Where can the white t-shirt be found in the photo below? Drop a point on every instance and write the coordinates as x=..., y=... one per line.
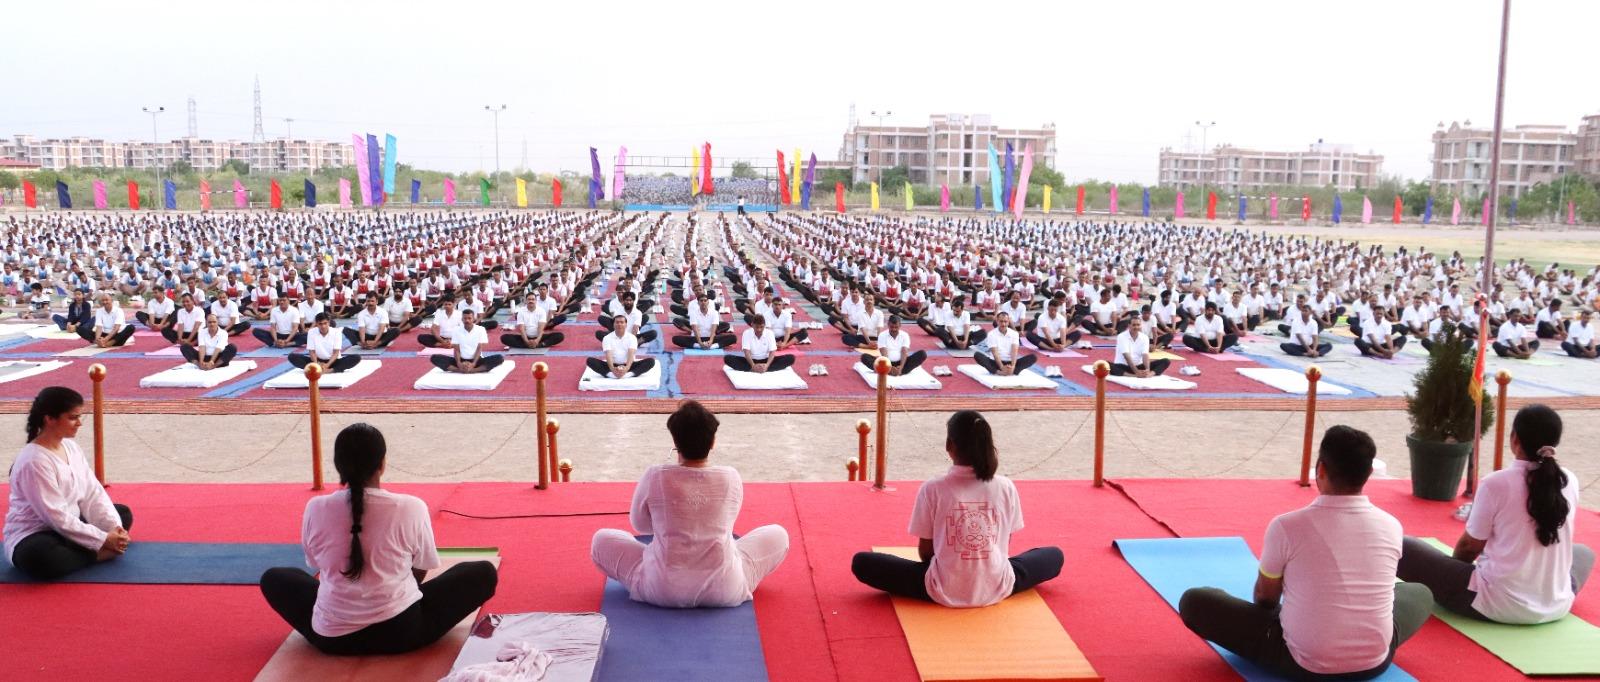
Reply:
x=869, y=324
x=1300, y=330
x=208, y=344
x=894, y=347
x=371, y=321
x=108, y=321
x=468, y=341
x=283, y=320
x=396, y=537
x=1207, y=329
x=703, y=322
x=398, y=310
x=1103, y=311
x=159, y=308
x=692, y=561
x=1049, y=327
x=227, y=315
x=321, y=346
x=48, y=493
x=190, y=320
x=760, y=347
x=1337, y=558
x=1004, y=344
x=1511, y=333
x=1129, y=347
x=617, y=348
x=970, y=522
x=1518, y=580
x=1579, y=333
x=529, y=321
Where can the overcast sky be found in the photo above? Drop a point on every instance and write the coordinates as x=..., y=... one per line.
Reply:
x=1120, y=79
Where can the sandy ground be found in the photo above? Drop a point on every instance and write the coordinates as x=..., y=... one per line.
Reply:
x=495, y=447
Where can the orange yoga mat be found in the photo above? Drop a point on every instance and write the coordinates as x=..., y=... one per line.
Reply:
x=297, y=661
x=1018, y=639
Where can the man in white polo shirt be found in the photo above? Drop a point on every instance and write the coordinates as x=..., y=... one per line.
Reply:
x=1511, y=341
x=467, y=344
x=285, y=327
x=1581, y=337
x=1207, y=334
x=1303, y=339
x=187, y=323
x=1053, y=331
x=158, y=309
x=758, y=345
x=529, y=322
x=111, y=328
x=706, y=329
x=895, y=344
x=372, y=330
x=1333, y=566
x=1005, y=344
x=324, y=346
x=621, y=349
x=1133, y=353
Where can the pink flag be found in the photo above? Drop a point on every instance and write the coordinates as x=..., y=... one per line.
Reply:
x=449, y=191
x=1272, y=207
x=344, y=192
x=240, y=200
x=616, y=177
x=1572, y=213
x=944, y=198
x=1366, y=210
x=363, y=171
x=1455, y=212
x=1113, y=200
x=1485, y=214
x=100, y=194
x=1021, y=199
x=1177, y=207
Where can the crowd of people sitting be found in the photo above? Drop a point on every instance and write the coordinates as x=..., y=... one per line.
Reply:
x=1339, y=586
x=673, y=190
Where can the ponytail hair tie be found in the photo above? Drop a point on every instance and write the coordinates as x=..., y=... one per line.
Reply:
x=1547, y=452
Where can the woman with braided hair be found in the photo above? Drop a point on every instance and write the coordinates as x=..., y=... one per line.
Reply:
x=1516, y=563
x=371, y=549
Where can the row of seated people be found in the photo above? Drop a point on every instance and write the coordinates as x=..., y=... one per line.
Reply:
x=1378, y=336
x=1315, y=613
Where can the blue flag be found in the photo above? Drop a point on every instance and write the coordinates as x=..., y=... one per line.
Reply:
x=374, y=169
x=596, y=190
x=1427, y=212
x=311, y=194
x=995, y=178
x=416, y=190
x=977, y=197
x=169, y=194
x=1338, y=209
x=1147, y=202
x=1241, y=207
x=1005, y=191
x=63, y=197
x=389, y=153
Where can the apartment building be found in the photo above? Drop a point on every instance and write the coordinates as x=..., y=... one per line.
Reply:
x=1529, y=155
x=952, y=149
x=281, y=155
x=1587, y=155
x=1233, y=169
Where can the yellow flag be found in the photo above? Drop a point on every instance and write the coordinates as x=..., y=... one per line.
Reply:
x=794, y=178
x=1046, y=198
x=694, y=177
x=522, y=193
x=909, y=205
x=874, y=196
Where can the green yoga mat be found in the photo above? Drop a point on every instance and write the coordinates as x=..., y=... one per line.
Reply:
x=1570, y=646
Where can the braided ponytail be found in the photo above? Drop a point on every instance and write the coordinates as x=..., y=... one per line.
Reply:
x=1537, y=429
x=358, y=456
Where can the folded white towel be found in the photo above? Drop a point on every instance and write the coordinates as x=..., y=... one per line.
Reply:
x=515, y=662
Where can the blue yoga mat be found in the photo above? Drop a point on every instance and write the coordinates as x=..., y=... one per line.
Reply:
x=649, y=643
x=182, y=563
x=1173, y=565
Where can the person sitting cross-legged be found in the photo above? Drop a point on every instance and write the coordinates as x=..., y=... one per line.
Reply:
x=780, y=320
x=1582, y=336
x=372, y=330
x=963, y=522
x=759, y=348
x=867, y=321
x=634, y=316
x=467, y=349
x=109, y=327
x=1006, y=346
x=1303, y=335
x=285, y=328
x=706, y=329
x=1511, y=341
x=894, y=344
x=212, y=349
x=324, y=346
x=157, y=312
x=530, y=332
x=621, y=350
x=228, y=315
x=1326, y=605
x=1516, y=562
x=1207, y=333
x=1377, y=338
x=1052, y=331
x=1133, y=353
x=186, y=324
x=689, y=508
x=957, y=331
x=80, y=314
x=1102, y=317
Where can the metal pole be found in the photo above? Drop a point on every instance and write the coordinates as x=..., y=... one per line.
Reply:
x=97, y=374
x=1494, y=210
x=314, y=375
x=882, y=368
x=1101, y=370
x=1503, y=378
x=1313, y=375
x=541, y=371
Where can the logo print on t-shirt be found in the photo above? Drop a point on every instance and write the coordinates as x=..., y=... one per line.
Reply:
x=971, y=528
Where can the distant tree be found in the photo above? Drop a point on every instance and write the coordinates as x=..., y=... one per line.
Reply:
x=827, y=177
x=743, y=169
x=894, y=178
x=1550, y=199
x=236, y=166
x=9, y=180
x=1044, y=175
x=180, y=167
x=1415, y=196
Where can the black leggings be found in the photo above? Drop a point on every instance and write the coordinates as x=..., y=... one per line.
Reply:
x=974, y=337
x=86, y=332
x=48, y=555
x=993, y=366
x=300, y=360
x=640, y=366
x=1449, y=577
x=913, y=361
x=718, y=341
x=776, y=363
x=448, y=362
x=907, y=578
x=446, y=599
x=549, y=339
x=269, y=337
x=224, y=356
x=1298, y=349
x=384, y=339
x=1156, y=367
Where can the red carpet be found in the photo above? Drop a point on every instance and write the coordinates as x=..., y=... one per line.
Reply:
x=122, y=378
x=817, y=622
x=1215, y=377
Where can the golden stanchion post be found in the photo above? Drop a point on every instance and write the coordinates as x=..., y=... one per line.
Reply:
x=550, y=429
x=850, y=467
x=97, y=374
x=882, y=367
x=1503, y=378
x=863, y=427
x=314, y=375
x=566, y=470
x=541, y=371
x=1101, y=370
x=1313, y=375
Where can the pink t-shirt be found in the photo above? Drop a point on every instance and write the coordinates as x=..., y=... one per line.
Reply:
x=1337, y=558
x=970, y=522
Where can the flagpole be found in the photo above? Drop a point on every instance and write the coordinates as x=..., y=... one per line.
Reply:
x=1488, y=237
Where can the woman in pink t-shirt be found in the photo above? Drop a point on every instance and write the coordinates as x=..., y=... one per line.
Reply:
x=963, y=521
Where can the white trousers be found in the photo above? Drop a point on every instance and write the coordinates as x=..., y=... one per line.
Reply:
x=618, y=555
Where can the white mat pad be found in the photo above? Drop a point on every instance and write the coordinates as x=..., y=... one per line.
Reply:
x=91, y=350
x=649, y=381
x=1027, y=379
x=439, y=380
x=189, y=376
x=51, y=332
x=785, y=379
x=173, y=351
x=1155, y=383
x=296, y=378
x=918, y=379
x=1289, y=381
x=29, y=368
x=9, y=330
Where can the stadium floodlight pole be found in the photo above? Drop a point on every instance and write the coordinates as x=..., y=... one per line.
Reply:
x=155, y=140
x=1206, y=178
x=880, y=118
x=288, y=125
x=496, y=113
x=1488, y=233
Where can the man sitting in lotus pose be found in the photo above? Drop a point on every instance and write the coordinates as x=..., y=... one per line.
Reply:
x=621, y=349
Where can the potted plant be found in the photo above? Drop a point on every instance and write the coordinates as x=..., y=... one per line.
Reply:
x=1441, y=410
